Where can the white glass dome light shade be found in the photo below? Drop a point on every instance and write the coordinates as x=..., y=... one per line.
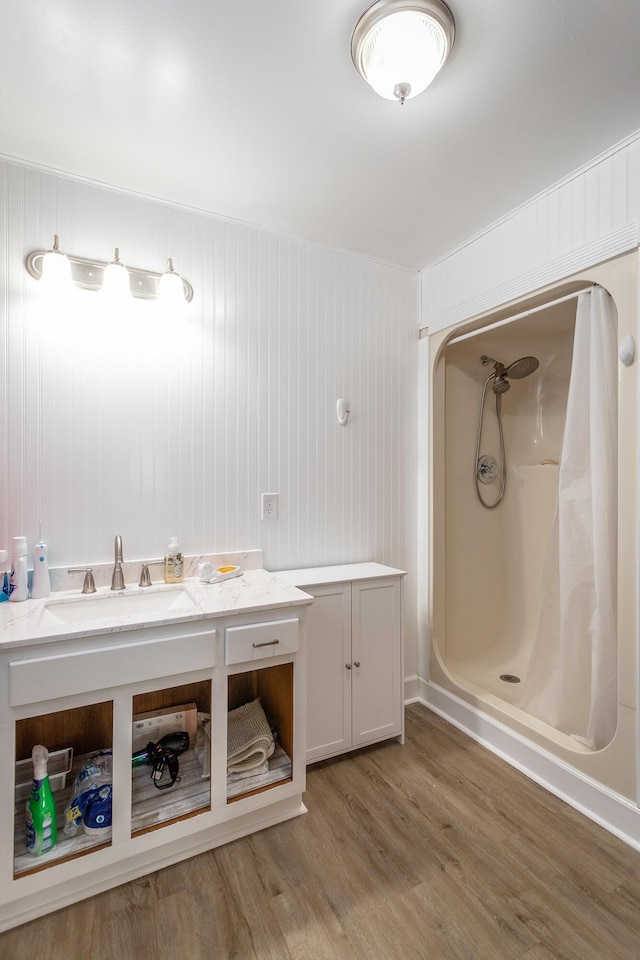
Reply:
x=398, y=47
x=56, y=271
x=115, y=284
x=171, y=288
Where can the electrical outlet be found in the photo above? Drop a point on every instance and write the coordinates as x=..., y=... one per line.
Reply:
x=269, y=506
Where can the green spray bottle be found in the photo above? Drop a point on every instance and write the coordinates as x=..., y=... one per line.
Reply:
x=41, y=829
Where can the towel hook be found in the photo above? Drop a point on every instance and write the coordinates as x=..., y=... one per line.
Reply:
x=342, y=407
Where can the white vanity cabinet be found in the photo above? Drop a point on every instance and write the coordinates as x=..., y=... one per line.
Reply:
x=82, y=690
x=354, y=676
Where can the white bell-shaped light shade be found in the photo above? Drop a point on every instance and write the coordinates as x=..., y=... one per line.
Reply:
x=56, y=271
x=398, y=47
x=115, y=284
x=171, y=289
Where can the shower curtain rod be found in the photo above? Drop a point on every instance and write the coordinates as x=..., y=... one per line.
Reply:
x=520, y=316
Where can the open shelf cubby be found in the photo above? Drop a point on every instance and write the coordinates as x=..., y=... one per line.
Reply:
x=152, y=808
x=86, y=730
x=274, y=687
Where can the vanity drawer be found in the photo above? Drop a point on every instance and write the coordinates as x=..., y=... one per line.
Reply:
x=54, y=675
x=257, y=641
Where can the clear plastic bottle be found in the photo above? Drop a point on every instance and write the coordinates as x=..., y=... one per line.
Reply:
x=41, y=832
x=173, y=563
x=18, y=583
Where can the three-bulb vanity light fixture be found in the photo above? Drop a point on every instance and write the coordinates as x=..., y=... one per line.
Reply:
x=59, y=270
x=398, y=46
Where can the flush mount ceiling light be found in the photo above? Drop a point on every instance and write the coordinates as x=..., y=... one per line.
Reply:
x=398, y=47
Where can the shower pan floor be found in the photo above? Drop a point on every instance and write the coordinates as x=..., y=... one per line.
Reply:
x=480, y=676
x=485, y=672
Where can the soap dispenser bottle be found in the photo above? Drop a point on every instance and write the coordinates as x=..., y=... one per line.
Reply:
x=173, y=563
x=41, y=832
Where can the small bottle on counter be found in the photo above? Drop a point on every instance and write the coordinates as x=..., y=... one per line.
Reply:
x=41, y=583
x=4, y=575
x=18, y=581
x=173, y=563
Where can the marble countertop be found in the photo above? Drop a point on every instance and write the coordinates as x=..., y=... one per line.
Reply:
x=30, y=622
x=341, y=573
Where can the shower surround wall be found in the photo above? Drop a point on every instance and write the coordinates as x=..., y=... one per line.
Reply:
x=149, y=428
x=494, y=558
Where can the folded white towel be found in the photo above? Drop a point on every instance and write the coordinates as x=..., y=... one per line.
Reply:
x=244, y=774
x=249, y=739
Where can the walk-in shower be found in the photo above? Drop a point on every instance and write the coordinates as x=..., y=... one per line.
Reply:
x=504, y=639
x=486, y=467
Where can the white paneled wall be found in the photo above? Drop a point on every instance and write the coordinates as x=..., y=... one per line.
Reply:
x=140, y=425
x=589, y=217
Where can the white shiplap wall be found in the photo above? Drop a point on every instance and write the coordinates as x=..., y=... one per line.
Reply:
x=590, y=216
x=147, y=428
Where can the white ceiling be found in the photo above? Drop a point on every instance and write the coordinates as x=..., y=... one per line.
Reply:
x=252, y=109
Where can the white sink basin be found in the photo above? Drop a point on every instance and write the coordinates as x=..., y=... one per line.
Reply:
x=114, y=606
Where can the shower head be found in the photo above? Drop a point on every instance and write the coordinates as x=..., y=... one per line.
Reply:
x=515, y=371
x=522, y=367
x=500, y=385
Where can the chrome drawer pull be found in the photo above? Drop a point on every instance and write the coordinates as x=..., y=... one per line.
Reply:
x=267, y=643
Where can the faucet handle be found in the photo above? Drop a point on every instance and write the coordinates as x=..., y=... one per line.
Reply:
x=89, y=585
x=145, y=576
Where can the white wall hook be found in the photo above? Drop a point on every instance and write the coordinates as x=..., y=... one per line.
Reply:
x=342, y=407
x=627, y=351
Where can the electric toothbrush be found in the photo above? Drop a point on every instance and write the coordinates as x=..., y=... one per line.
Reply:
x=40, y=584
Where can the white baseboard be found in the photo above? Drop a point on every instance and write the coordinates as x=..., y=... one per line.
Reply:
x=605, y=807
x=412, y=689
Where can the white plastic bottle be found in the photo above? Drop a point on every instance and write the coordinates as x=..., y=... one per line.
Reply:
x=18, y=583
x=41, y=583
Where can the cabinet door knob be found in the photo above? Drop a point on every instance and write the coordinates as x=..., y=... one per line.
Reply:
x=348, y=666
x=356, y=663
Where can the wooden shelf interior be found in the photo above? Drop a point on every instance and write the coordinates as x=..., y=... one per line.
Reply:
x=274, y=686
x=86, y=729
x=198, y=693
x=152, y=808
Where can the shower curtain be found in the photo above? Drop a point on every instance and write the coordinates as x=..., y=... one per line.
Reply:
x=571, y=677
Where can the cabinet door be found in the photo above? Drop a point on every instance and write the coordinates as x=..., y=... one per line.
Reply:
x=329, y=671
x=377, y=660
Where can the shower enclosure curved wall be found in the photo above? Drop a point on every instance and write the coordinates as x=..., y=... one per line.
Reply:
x=487, y=564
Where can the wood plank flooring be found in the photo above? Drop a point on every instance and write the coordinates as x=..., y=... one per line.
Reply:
x=436, y=850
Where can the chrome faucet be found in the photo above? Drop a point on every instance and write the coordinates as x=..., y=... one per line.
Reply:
x=117, y=580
